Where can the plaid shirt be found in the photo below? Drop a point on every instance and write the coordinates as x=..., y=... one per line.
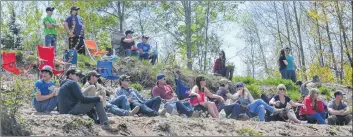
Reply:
x=218, y=65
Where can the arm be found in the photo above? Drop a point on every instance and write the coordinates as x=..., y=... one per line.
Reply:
x=285, y=62
x=79, y=96
x=295, y=104
x=49, y=25
x=250, y=97
x=272, y=102
x=210, y=95
x=40, y=97
x=127, y=40
x=193, y=91
x=232, y=97
x=155, y=92
x=139, y=95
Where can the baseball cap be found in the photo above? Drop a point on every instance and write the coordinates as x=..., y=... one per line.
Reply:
x=124, y=78
x=75, y=8
x=240, y=84
x=224, y=81
x=129, y=32
x=74, y=71
x=93, y=73
x=287, y=48
x=47, y=68
x=338, y=92
x=49, y=9
x=160, y=76
x=145, y=37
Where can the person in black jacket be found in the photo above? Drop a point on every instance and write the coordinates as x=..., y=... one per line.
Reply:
x=72, y=101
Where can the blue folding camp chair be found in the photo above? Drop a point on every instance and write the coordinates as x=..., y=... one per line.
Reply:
x=181, y=91
x=105, y=68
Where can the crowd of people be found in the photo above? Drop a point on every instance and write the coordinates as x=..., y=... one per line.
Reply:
x=95, y=100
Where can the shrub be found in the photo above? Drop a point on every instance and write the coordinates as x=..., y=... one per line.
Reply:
x=137, y=86
x=292, y=89
x=246, y=80
x=326, y=92
x=254, y=90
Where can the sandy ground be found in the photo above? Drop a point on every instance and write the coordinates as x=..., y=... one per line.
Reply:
x=69, y=125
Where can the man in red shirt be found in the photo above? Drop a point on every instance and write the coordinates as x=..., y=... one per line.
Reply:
x=167, y=94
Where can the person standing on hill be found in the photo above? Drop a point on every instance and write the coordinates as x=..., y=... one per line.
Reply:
x=49, y=28
x=282, y=61
x=220, y=67
x=75, y=28
x=290, y=65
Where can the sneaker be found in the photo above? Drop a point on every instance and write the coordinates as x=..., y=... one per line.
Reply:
x=196, y=114
x=107, y=127
x=134, y=111
x=303, y=122
x=162, y=112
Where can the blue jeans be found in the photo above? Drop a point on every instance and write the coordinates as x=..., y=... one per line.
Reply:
x=184, y=108
x=144, y=56
x=126, y=52
x=47, y=105
x=50, y=40
x=283, y=73
x=318, y=116
x=291, y=75
x=258, y=107
x=119, y=106
x=150, y=107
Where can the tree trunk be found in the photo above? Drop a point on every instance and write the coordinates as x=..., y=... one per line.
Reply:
x=206, y=35
x=262, y=52
x=286, y=19
x=321, y=58
x=344, y=34
x=278, y=31
x=331, y=46
x=187, y=10
x=121, y=15
x=300, y=41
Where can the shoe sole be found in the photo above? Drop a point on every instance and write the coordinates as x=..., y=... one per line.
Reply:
x=134, y=111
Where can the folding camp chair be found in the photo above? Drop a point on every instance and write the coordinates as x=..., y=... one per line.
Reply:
x=92, y=49
x=105, y=68
x=182, y=94
x=9, y=63
x=46, y=56
x=70, y=58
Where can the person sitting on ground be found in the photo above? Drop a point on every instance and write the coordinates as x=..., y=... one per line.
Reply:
x=338, y=110
x=314, y=83
x=44, y=99
x=147, y=107
x=117, y=106
x=280, y=101
x=109, y=56
x=314, y=107
x=128, y=42
x=144, y=50
x=72, y=101
x=200, y=91
x=220, y=67
x=163, y=90
x=234, y=110
x=255, y=107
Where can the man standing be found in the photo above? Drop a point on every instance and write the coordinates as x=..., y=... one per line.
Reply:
x=72, y=101
x=147, y=107
x=291, y=65
x=166, y=93
x=45, y=99
x=127, y=42
x=76, y=29
x=49, y=28
x=339, y=111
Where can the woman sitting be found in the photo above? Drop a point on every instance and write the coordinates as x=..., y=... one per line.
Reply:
x=314, y=107
x=280, y=101
x=200, y=91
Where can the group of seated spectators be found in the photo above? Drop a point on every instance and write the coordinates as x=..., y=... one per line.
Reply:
x=95, y=100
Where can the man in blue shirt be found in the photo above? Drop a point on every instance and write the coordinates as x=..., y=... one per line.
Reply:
x=148, y=107
x=291, y=65
x=44, y=94
x=75, y=28
x=145, y=50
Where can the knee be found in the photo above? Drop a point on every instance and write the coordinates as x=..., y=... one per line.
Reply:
x=158, y=99
x=348, y=117
x=332, y=120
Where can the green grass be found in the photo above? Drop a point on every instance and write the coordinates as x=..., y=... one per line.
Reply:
x=254, y=90
x=248, y=132
x=326, y=92
x=137, y=86
x=245, y=80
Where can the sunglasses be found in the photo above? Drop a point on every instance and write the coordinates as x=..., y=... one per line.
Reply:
x=282, y=89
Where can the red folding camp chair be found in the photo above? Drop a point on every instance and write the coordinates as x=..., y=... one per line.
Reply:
x=9, y=63
x=46, y=57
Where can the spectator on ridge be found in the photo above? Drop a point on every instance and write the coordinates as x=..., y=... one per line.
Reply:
x=338, y=110
x=128, y=42
x=148, y=107
x=144, y=50
x=314, y=83
x=76, y=29
x=282, y=61
x=44, y=99
x=290, y=65
x=49, y=28
x=220, y=67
